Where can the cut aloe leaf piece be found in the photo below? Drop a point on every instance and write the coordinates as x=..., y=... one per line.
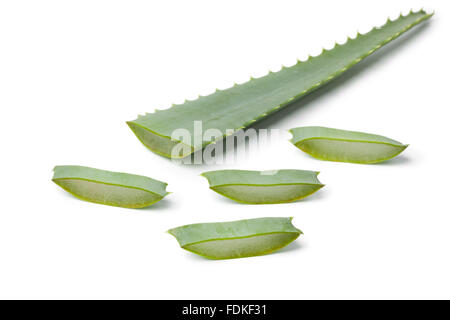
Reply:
x=263, y=187
x=345, y=146
x=236, y=239
x=242, y=105
x=110, y=188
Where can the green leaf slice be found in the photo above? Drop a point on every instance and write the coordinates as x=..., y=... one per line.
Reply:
x=263, y=187
x=236, y=239
x=345, y=146
x=110, y=188
x=242, y=105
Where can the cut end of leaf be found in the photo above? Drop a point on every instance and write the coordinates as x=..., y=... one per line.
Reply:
x=162, y=145
x=243, y=247
x=248, y=194
x=112, y=195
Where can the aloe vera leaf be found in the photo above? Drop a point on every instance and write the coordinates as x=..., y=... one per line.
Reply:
x=242, y=105
x=236, y=239
x=263, y=187
x=345, y=146
x=110, y=188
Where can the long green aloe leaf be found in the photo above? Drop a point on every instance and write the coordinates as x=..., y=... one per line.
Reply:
x=242, y=105
x=262, y=187
x=236, y=239
x=110, y=188
x=345, y=146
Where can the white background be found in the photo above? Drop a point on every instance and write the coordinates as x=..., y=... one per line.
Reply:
x=72, y=73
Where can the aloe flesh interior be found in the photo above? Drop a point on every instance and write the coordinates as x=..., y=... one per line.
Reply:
x=345, y=146
x=110, y=188
x=236, y=239
x=242, y=105
x=263, y=187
